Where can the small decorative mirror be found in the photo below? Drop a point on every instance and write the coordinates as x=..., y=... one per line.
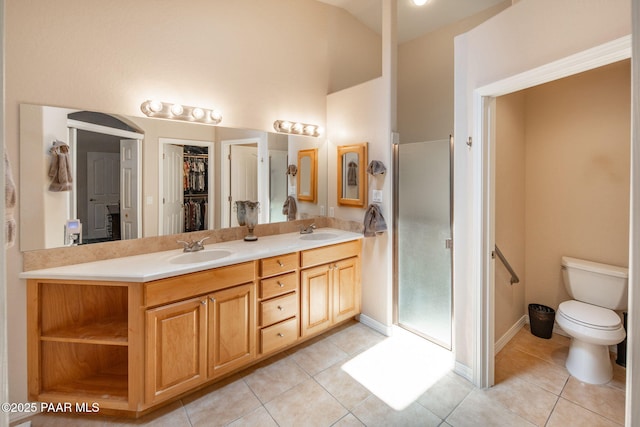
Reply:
x=352, y=179
x=307, y=175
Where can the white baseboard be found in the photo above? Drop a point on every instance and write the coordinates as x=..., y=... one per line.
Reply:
x=464, y=371
x=375, y=325
x=504, y=339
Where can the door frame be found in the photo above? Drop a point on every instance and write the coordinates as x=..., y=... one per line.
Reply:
x=484, y=187
x=210, y=178
x=72, y=127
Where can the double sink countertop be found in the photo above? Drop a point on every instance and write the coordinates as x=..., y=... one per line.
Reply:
x=160, y=265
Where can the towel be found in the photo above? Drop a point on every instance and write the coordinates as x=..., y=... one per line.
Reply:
x=292, y=170
x=10, y=197
x=60, y=168
x=374, y=222
x=289, y=208
x=376, y=167
x=352, y=173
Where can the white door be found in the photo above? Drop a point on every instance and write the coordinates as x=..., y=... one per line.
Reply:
x=243, y=176
x=130, y=190
x=172, y=189
x=103, y=189
x=277, y=184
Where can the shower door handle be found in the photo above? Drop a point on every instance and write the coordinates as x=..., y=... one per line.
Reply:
x=448, y=243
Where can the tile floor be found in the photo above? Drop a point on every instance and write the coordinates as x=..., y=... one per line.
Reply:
x=407, y=382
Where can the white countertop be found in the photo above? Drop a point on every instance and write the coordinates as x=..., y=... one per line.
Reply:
x=160, y=265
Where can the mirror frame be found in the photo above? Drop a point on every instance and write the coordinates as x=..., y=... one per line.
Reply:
x=361, y=150
x=313, y=179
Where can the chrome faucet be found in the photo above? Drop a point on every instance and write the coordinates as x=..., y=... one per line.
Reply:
x=193, y=246
x=307, y=230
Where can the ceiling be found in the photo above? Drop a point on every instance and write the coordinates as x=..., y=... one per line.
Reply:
x=413, y=21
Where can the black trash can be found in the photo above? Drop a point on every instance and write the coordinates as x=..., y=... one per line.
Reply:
x=622, y=347
x=541, y=319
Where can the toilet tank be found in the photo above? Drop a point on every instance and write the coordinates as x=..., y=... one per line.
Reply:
x=595, y=283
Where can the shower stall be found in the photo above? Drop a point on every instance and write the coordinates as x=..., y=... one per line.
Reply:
x=423, y=239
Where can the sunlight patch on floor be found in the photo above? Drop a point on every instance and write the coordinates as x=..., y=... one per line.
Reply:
x=401, y=368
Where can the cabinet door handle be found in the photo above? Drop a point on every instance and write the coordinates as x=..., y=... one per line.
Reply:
x=203, y=302
x=212, y=299
x=280, y=263
x=280, y=334
x=281, y=284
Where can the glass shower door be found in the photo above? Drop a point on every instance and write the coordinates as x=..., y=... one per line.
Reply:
x=423, y=239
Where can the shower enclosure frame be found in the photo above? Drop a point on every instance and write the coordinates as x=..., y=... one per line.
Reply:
x=396, y=260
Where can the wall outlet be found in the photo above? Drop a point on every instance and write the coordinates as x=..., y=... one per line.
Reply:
x=292, y=190
x=321, y=210
x=377, y=196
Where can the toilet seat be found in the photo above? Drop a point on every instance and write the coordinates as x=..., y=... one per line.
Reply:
x=590, y=316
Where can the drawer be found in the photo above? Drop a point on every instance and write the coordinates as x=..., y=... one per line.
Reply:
x=277, y=309
x=190, y=285
x=278, y=285
x=279, y=335
x=331, y=253
x=278, y=264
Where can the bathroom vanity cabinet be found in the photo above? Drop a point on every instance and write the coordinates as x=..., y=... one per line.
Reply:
x=130, y=346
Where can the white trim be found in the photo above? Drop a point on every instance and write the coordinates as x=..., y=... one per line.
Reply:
x=508, y=336
x=386, y=330
x=484, y=295
x=464, y=371
x=104, y=129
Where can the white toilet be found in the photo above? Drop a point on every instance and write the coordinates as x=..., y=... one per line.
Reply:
x=589, y=319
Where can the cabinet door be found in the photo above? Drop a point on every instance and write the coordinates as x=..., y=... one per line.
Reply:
x=176, y=351
x=316, y=299
x=232, y=329
x=346, y=289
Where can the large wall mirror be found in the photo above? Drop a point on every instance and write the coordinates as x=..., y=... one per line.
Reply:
x=139, y=177
x=352, y=179
x=307, y=175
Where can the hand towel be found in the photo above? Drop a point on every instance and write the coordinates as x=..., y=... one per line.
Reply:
x=60, y=168
x=352, y=173
x=10, y=198
x=374, y=222
x=289, y=208
x=376, y=167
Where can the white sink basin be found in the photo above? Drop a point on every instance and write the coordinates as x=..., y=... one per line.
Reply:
x=318, y=236
x=200, y=256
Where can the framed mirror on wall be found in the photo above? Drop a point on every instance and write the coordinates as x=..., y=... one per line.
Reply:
x=352, y=179
x=307, y=175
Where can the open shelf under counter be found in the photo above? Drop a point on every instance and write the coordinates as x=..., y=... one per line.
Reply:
x=111, y=331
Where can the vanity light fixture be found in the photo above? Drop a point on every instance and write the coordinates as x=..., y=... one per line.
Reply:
x=166, y=110
x=297, y=128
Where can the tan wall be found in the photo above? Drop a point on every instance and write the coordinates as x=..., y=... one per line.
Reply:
x=425, y=80
x=577, y=174
x=510, y=210
x=562, y=184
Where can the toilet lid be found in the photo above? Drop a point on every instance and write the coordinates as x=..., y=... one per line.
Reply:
x=589, y=315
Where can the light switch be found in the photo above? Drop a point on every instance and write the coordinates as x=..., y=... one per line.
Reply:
x=377, y=196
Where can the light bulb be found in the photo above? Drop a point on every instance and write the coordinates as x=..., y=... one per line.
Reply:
x=216, y=115
x=286, y=126
x=297, y=128
x=309, y=129
x=197, y=113
x=420, y=2
x=154, y=106
x=319, y=130
x=176, y=109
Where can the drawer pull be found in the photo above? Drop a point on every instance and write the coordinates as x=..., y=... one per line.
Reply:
x=280, y=334
x=280, y=263
x=281, y=284
x=280, y=308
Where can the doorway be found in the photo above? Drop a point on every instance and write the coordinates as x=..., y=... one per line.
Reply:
x=423, y=239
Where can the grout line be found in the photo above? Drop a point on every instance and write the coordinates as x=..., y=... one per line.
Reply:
x=552, y=410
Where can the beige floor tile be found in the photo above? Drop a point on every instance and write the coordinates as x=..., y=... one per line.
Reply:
x=273, y=379
x=374, y=412
x=601, y=399
x=567, y=414
x=259, y=417
x=171, y=415
x=619, y=380
x=66, y=420
x=221, y=406
x=356, y=338
x=478, y=409
x=342, y=386
x=446, y=394
x=307, y=404
x=529, y=401
x=319, y=356
x=348, y=421
x=515, y=362
x=553, y=350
